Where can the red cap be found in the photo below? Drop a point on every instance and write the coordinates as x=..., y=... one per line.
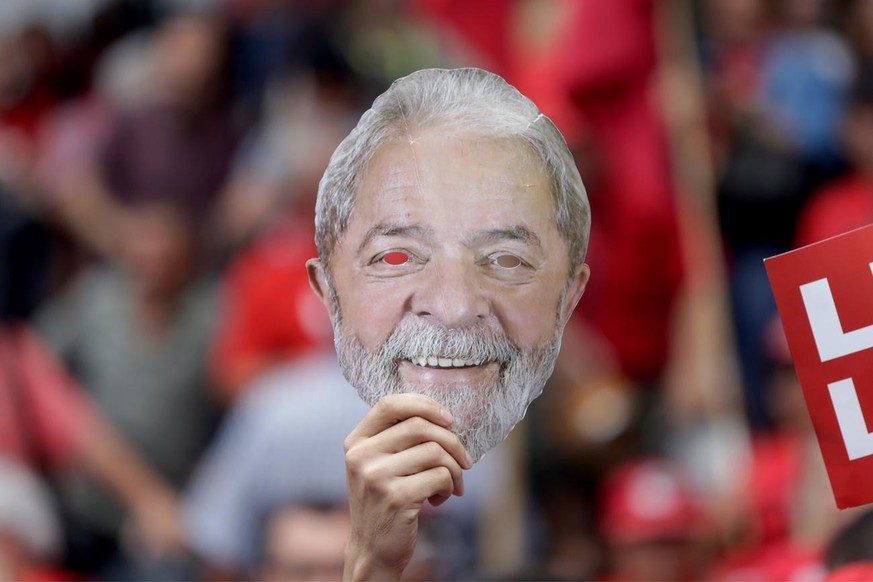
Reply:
x=647, y=500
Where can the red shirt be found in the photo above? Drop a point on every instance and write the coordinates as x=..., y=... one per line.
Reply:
x=44, y=414
x=269, y=314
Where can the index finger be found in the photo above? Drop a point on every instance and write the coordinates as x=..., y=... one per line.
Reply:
x=398, y=407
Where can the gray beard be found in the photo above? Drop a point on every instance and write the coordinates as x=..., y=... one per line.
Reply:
x=484, y=414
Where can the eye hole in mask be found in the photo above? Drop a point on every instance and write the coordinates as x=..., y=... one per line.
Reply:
x=396, y=258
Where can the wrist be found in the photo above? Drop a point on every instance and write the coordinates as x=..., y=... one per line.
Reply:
x=361, y=565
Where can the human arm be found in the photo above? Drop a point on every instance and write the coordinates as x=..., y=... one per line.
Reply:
x=72, y=431
x=401, y=454
x=86, y=208
x=152, y=504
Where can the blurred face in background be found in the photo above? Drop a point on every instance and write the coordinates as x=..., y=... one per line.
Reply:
x=15, y=73
x=802, y=13
x=858, y=136
x=733, y=21
x=189, y=54
x=452, y=279
x=157, y=249
x=303, y=543
x=662, y=560
x=860, y=28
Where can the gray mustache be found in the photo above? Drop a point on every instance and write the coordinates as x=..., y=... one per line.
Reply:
x=413, y=338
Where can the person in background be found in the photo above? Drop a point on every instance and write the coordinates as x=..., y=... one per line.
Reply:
x=305, y=541
x=48, y=424
x=859, y=31
x=136, y=336
x=279, y=444
x=849, y=553
x=846, y=203
x=651, y=523
x=776, y=79
x=780, y=511
x=806, y=74
x=71, y=142
x=178, y=139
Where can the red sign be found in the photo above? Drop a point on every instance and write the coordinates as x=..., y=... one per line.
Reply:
x=825, y=297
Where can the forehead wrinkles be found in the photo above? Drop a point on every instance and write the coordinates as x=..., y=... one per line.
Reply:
x=518, y=169
x=404, y=122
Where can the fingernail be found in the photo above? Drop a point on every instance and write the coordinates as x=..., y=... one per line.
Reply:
x=469, y=458
x=447, y=415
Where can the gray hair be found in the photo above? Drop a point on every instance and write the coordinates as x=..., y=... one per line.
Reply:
x=468, y=98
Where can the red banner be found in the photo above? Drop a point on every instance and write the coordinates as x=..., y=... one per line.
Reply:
x=825, y=297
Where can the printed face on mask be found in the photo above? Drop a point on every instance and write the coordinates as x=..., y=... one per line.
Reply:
x=452, y=279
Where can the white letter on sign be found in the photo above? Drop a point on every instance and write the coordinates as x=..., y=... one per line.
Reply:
x=859, y=442
x=830, y=339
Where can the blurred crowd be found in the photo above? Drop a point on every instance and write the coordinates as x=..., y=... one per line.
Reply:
x=170, y=405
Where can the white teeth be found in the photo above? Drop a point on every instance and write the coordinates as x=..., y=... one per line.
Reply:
x=434, y=362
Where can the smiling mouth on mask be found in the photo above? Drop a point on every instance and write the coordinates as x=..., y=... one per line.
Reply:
x=439, y=362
